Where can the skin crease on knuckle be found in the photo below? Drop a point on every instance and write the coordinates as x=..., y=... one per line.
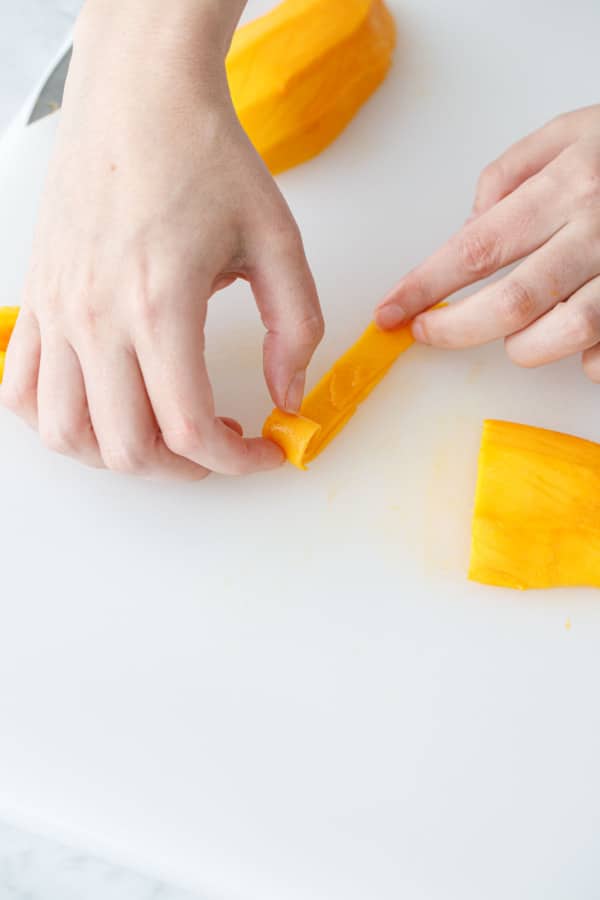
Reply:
x=479, y=253
x=64, y=439
x=517, y=306
x=310, y=331
x=128, y=456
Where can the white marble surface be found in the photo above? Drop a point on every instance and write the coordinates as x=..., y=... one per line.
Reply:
x=31, y=867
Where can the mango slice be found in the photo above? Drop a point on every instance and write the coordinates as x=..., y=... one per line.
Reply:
x=8, y=320
x=298, y=75
x=334, y=400
x=537, y=509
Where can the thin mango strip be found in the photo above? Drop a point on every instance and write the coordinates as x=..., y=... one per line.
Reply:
x=537, y=509
x=335, y=399
x=8, y=320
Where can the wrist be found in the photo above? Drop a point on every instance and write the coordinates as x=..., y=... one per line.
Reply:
x=201, y=29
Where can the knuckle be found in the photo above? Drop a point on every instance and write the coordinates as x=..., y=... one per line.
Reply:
x=85, y=316
x=479, y=253
x=148, y=307
x=60, y=438
x=129, y=457
x=14, y=397
x=311, y=329
x=285, y=239
x=517, y=305
x=583, y=326
x=185, y=439
x=492, y=175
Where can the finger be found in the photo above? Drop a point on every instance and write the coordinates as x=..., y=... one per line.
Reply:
x=18, y=391
x=63, y=416
x=124, y=423
x=591, y=363
x=515, y=227
x=287, y=298
x=571, y=327
x=545, y=278
x=171, y=355
x=525, y=158
x=233, y=424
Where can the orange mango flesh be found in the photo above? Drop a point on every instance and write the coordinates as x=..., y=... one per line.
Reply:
x=299, y=74
x=8, y=319
x=329, y=406
x=537, y=509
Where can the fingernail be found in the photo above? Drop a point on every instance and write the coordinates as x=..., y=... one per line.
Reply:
x=418, y=331
x=391, y=316
x=295, y=392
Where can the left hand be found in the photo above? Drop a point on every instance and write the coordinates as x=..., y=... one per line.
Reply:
x=540, y=203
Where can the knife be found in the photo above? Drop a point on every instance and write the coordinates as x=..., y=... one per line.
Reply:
x=50, y=97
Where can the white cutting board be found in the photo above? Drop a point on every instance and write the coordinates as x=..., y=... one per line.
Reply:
x=284, y=687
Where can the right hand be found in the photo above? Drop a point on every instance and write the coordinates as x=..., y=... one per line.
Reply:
x=155, y=199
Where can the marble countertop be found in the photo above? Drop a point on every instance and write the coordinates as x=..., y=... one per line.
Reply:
x=32, y=867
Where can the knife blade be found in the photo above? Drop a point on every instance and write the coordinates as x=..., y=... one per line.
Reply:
x=51, y=95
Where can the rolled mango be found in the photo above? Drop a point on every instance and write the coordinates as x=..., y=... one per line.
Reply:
x=335, y=399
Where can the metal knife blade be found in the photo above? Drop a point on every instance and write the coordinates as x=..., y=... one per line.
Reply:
x=50, y=97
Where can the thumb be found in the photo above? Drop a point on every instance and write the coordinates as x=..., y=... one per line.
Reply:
x=287, y=299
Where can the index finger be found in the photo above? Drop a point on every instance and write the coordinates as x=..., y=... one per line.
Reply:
x=514, y=228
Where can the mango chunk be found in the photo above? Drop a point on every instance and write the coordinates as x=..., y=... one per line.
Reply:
x=537, y=509
x=299, y=74
x=334, y=400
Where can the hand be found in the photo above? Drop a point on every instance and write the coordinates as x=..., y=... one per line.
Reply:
x=155, y=200
x=540, y=203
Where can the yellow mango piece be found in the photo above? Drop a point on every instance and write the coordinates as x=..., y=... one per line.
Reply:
x=8, y=320
x=334, y=400
x=298, y=75
x=537, y=509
